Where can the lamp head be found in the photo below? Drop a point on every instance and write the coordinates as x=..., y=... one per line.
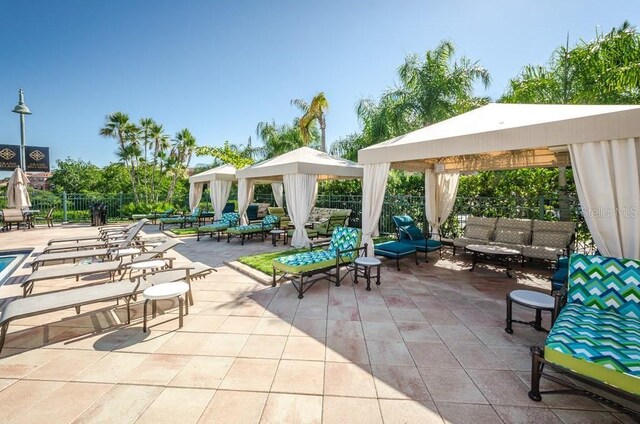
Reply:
x=21, y=108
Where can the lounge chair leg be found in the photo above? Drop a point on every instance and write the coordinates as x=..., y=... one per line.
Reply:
x=300, y=289
x=180, y=309
x=273, y=284
x=536, y=373
x=144, y=316
x=77, y=309
x=398, y=263
x=509, y=328
x=3, y=334
x=129, y=310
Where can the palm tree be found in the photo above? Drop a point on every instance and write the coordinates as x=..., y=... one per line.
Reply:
x=431, y=89
x=181, y=153
x=160, y=144
x=313, y=112
x=119, y=126
x=279, y=139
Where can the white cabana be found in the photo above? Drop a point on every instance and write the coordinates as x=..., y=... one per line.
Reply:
x=601, y=142
x=219, y=181
x=299, y=171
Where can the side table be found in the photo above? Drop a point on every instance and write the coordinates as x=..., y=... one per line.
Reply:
x=165, y=291
x=530, y=299
x=275, y=235
x=366, y=264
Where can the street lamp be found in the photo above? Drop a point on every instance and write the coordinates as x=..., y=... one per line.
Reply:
x=22, y=109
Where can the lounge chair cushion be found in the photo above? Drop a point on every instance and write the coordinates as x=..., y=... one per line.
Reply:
x=393, y=249
x=246, y=229
x=306, y=261
x=598, y=344
x=310, y=233
x=424, y=244
x=227, y=220
x=604, y=283
x=343, y=238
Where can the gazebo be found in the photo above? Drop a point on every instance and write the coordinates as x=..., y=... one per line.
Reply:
x=219, y=180
x=299, y=170
x=600, y=142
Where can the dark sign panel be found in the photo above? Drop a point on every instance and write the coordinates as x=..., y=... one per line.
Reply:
x=37, y=159
x=10, y=157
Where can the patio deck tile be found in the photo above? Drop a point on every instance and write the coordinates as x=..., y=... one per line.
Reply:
x=234, y=407
x=339, y=410
x=428, y=345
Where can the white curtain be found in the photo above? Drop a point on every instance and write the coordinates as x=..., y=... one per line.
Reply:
x=195, y=194
x=374, y=185
x=278, y=193
x=300, y=190
x=245, y=194
x=439, y=195
x=219, y=193
x=607, y=176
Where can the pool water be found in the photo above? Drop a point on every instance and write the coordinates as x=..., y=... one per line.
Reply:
x=10, y=261
x=5, y=261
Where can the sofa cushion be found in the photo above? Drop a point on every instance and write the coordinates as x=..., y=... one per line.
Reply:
x=542, y=252
x=554, y=226
x=479, y=221
x=549, y=239
x=598, y=344
x=600, y=282
x=510, y=236
x=465, y=241
x=478, y=232
x=512, y=224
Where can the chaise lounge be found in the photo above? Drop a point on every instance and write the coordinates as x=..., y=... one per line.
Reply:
x=228, y=220
x=182, y=221
x=596, y=337
x=342, y=250
x=268, y=223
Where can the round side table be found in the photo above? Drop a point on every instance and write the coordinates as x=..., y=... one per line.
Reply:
x=530, y=299
x=165, y=291
x=366, y=264
x=146, y=265
x=275, y=235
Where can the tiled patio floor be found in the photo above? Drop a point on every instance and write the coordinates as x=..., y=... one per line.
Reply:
x=427, y=346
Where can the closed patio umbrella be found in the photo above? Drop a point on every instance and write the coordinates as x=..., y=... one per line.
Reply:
x=17, y=193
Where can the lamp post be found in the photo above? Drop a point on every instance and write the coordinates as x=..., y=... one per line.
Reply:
x=22, y=109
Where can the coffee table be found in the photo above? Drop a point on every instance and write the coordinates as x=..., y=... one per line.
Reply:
x=493, y=254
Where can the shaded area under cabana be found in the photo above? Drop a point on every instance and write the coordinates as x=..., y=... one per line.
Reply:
x=299, y=171
x=600, y=142
x=219, y=180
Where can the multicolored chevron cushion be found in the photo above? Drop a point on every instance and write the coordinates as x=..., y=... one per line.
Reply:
x=246, y=229
x=217, y=226
x=598, y=344
x=306, y=261
x=610, y=284
x=345, y=238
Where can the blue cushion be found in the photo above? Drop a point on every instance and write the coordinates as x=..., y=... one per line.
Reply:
x=394, y=247
x=424, y=244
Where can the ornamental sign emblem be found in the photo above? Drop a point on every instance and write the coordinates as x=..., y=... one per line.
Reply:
x=37, y=159
x=37, y=155
x=7, y=154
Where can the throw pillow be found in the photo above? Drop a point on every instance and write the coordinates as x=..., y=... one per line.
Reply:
x=549, y=239
x=510, y=236
x=480, y=233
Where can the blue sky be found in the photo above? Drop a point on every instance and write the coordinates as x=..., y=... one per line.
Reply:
x=220, y=67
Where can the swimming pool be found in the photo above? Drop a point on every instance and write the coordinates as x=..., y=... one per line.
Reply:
x=10, y=261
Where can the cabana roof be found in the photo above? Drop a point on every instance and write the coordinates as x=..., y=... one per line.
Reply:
x=225, y=172
x=304, y=160
x=504, y=136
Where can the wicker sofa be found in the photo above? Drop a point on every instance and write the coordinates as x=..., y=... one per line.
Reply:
x=535, y=239
x=596, y=337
